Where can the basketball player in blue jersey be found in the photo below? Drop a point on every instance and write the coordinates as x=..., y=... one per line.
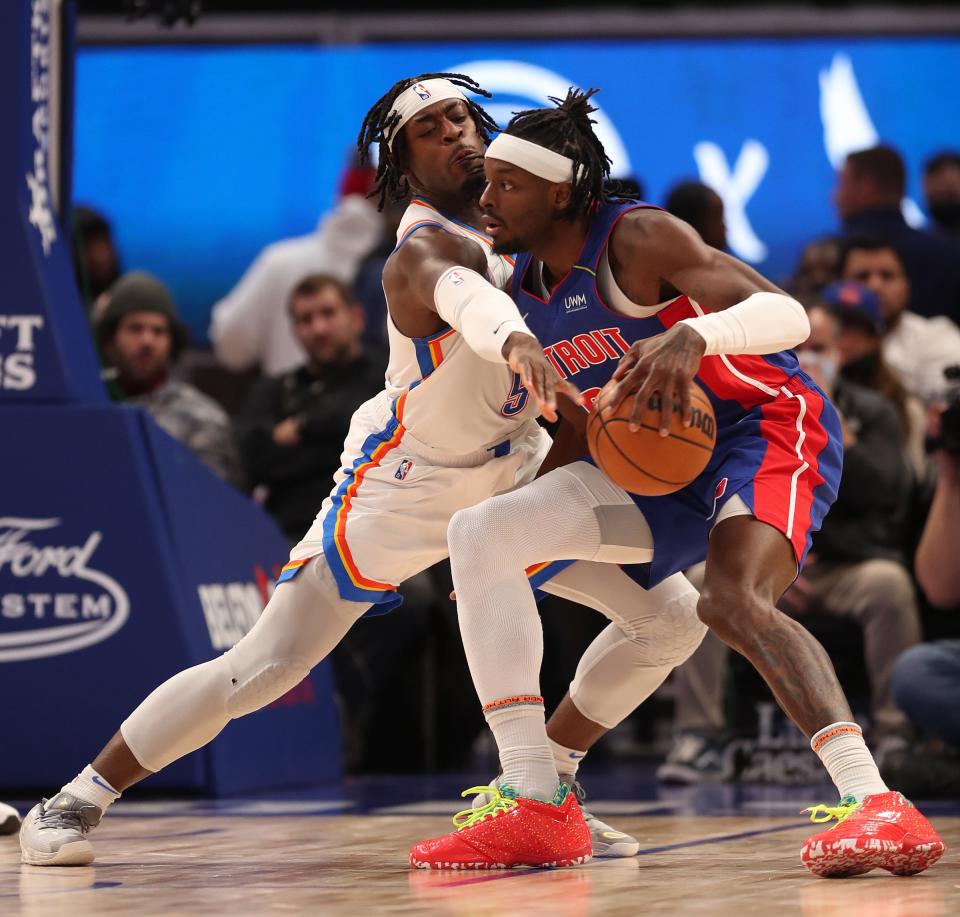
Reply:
x=591, y=284
x=454, y=425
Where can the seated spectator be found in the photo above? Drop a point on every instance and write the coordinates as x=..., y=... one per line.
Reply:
x=819, y=266
x=941, y=190
x=700, y=206
x=918, y=348
x=862, y=362
x=140, y=338
x=249, y=326
x=868, y=196
x=96, y=261
x=294, y=425
x=856, y=569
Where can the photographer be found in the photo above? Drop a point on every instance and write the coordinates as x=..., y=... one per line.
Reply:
x=936, y=562
x=926, y=678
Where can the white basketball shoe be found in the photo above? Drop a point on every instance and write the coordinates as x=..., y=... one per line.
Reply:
x=54, y=833
x=607, y=842
x=9, y=819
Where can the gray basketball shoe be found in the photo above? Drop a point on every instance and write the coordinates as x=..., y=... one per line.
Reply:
x=54, y=833
x=607, y=842
x=694, y=758
x=9, y=819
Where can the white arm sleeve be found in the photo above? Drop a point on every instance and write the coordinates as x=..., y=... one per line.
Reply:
x=762, y=323
x=484, y=315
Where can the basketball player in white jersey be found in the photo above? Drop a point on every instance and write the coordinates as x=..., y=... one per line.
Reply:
x=454, y=426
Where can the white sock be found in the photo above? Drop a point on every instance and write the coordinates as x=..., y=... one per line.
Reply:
x=566, y=760
x=89, y=786
x=845, y=755
x=526, y=760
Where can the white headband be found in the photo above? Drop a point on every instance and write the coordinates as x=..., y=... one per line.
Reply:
x=415, y=98
x=532, y=157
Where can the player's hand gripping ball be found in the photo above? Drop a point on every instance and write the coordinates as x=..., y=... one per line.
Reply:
x=642, y=461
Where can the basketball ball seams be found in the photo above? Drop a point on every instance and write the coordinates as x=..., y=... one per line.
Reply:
x=697, y=400
x=646, y=426
x=628, y=460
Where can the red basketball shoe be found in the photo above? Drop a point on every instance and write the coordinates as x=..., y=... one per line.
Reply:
x=884, y=830
x=510, y=831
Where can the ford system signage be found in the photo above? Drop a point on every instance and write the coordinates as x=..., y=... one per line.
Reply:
x=53, y=598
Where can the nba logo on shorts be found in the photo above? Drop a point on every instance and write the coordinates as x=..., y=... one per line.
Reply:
x=404, y=469
x=421, y=91
x=456, y=278
x=717, y=494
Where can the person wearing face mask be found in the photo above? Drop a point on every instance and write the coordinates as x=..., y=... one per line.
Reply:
x=860, y=571
x=941, y=189
x=861, y=360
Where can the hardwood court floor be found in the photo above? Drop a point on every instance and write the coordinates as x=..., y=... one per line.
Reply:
x=356, y=865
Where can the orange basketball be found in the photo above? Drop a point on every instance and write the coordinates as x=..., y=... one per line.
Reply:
x=644, y=462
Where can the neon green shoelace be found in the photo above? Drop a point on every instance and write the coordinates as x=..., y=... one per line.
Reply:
x=501, y=800
x=821, y=813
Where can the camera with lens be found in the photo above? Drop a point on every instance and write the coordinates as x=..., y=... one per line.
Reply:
x=949, y=438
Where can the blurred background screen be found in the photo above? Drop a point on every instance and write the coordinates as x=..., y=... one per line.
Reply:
x=227, y=148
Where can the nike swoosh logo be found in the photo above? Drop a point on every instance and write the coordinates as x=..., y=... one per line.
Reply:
x=96, y=779
x=522, y=318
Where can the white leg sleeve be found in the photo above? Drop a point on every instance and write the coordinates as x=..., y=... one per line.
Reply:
x=571, y=513
x=651, y=632
x=303, y=621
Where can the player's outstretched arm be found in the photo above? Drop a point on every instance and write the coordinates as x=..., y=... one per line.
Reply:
x=438, y=277
x=743, y=312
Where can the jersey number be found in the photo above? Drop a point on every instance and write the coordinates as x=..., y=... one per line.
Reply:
x=517, y=400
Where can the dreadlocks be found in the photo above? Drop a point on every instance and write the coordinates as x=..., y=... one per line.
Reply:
x=567, y=130
x=381, y=120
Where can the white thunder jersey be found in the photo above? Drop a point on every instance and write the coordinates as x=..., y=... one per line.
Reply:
x=456, y=401
x=450, y=430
